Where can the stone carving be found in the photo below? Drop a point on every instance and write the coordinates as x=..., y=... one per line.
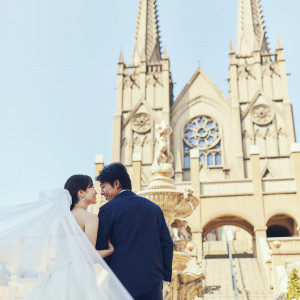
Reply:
x=181, y=234
x=163, y=160
x=246, y=71
x=124, y=142
x=154, y=80
x=281, y=132
x=247, y=135
x=141, y=123
x=174, y=203
x=262, y=114
x=131, y=81
x=137, y=144
x=269, y=133
x=270, y=69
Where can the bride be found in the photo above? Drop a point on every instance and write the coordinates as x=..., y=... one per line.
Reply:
x=47, y=248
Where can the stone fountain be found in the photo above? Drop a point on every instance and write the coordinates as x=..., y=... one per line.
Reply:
x=185, y=285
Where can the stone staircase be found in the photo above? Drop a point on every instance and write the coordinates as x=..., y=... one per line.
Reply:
x=250, y=277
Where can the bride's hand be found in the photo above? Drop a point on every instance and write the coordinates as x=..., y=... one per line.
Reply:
x=110, y=247
x=109, y=251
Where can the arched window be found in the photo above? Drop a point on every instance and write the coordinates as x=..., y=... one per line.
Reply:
x=203, y=132
x=210, y=159
x=218, y=160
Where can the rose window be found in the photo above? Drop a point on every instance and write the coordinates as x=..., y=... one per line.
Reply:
x=262, y=114
x=141, y=123
x=202, y=132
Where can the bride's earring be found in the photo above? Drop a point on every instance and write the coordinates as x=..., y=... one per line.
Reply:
x=83, y=199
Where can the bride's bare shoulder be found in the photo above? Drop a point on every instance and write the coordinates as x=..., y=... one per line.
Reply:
x=83, y=216
x=91, y=215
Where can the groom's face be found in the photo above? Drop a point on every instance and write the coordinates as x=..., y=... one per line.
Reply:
x=110, y=191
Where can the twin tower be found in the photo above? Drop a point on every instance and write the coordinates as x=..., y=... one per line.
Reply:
x=257, y=112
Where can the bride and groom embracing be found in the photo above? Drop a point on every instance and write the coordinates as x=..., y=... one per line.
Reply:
x=130, y=233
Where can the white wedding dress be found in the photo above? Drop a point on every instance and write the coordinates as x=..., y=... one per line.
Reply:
x=44, y=254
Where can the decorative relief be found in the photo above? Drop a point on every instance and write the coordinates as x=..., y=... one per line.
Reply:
x=281, y=133
x=131, y=81
x=126, y=142
x=247, y=135
x=147, y=140
x=262, y=114
x=246, y=71
x=270, y=133
x=154, y=80
x=258, y=134
x=270, y=69
x=202, y=132
x=141, y=123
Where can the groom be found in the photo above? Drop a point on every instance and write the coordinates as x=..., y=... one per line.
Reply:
x=137, y=229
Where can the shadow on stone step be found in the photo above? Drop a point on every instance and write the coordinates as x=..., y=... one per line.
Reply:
x=210, y=289
x=240, y=255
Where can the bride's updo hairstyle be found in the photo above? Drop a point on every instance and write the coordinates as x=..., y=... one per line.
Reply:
x=76, y=183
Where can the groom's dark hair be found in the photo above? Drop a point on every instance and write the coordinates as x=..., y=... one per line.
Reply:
x=115, y=171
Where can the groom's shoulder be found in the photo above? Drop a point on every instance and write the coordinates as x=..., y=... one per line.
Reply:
x=133, y=196
x=149, y=203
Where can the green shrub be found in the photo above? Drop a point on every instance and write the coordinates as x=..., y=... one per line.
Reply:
x=293, y=289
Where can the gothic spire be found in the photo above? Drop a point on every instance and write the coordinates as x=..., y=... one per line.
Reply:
x=147, y=43
x=251, y=29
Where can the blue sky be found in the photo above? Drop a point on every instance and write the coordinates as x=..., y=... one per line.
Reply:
x=58, y=65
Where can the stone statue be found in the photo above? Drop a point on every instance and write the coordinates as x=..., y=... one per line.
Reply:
x=181, y=234
x=162, y=164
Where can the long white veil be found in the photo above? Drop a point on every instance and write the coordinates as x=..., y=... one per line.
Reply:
x=42, y=248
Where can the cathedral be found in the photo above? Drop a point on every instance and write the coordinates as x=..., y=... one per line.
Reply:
x=238, y=153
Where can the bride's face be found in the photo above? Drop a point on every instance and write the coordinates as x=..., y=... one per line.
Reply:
x=90, y=195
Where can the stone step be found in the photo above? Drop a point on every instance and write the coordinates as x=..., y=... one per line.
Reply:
x=250, y=278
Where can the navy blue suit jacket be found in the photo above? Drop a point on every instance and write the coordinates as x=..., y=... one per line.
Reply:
x=143, y=245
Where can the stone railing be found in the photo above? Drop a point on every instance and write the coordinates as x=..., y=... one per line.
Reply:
x=242, y=187
x=283, y=251
x=284, y=244
x=277, y=185
x=229, y=187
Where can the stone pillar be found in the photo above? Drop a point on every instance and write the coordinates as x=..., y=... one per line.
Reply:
x=260, y=228
x=142, y=78
x=136, y=172
x=295, y=164
x=166, y=89
x=117, y=122
x=178, y=167
x=99, y=165
x=257, y=58
x=195, y=183
x=195, y=171
x=259, y=232
x=236, y=114
x=287, y=106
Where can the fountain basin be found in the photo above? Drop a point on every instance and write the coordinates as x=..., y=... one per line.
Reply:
x=172, y=201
